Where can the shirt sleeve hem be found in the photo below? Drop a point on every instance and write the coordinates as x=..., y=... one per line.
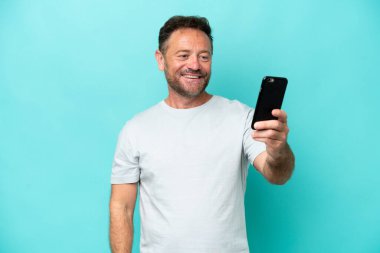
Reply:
x=253, y=156
x=125, y=180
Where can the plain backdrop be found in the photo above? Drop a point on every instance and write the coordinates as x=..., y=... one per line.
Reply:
x=73, y=72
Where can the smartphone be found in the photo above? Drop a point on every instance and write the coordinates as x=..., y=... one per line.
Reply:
x=270, y=97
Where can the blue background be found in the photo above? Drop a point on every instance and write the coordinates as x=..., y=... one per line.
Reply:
x=72, y=72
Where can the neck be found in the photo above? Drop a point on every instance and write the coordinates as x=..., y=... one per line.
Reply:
x=179, y=102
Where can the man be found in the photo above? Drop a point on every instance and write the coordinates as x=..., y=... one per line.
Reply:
x=190, y=154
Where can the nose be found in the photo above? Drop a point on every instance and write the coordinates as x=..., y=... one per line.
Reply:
x=193, y=63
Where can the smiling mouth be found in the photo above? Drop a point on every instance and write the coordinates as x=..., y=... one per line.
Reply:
x=192, y=76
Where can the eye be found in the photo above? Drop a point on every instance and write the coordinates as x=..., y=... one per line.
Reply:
x=205, y=58
x=183, y=56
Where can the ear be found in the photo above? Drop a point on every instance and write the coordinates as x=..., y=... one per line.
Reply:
x=160, y=60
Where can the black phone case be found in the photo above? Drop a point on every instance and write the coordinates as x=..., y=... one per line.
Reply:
x=270, y=97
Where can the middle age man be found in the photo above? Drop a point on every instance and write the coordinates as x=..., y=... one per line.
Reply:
x=189, y=154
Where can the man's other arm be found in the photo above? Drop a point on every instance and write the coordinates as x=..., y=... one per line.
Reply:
x=122, y=206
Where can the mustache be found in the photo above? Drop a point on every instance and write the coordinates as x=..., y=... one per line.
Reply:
x=195, y=72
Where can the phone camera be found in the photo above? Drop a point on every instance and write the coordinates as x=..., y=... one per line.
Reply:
x=270, y=80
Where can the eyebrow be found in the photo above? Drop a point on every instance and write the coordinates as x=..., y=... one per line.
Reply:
x=182, y=51
x=188, y=51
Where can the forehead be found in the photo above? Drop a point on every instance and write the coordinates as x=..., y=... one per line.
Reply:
x=188, y=39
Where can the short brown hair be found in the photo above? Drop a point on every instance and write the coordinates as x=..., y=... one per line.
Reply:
x=179, y=22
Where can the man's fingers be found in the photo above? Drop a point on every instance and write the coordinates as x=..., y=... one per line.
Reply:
x=270, y=134
x=270, y=142
x=280, y=114
x=269, y=124
x=260, y=139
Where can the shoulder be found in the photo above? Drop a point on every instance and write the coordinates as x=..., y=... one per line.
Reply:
x=232, y=105
x=142, y=119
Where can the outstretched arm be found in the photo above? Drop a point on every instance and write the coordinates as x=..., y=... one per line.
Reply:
x=276, y=163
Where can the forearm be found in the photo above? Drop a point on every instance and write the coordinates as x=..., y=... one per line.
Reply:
x=279, y=169
x=121, y=229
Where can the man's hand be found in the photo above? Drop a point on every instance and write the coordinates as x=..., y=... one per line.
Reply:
x=277, y=163
x=273, y=133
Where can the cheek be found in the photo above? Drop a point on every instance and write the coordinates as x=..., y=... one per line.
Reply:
x=172, y=67
x=206, y=67
x=179, y=67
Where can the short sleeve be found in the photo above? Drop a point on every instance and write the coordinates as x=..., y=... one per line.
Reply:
x=251, y=147
x=125, y=166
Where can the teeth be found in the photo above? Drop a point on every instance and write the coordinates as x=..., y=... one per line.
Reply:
x=192, y=77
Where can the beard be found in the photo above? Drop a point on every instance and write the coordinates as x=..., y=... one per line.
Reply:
x=184, y=87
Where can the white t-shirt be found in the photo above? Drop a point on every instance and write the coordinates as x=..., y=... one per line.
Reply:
x=191, y=165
